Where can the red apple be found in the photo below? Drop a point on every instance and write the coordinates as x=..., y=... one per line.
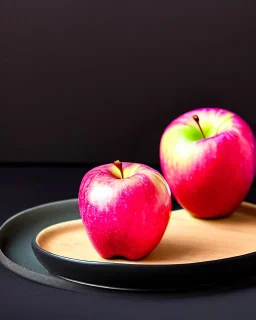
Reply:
x=125, y=208
x=208, y=158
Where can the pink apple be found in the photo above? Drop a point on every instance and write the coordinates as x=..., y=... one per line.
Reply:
x=208, y=158
x=125, y=208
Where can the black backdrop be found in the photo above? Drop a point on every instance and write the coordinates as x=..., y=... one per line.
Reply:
x=93, y=81
x=90, y=81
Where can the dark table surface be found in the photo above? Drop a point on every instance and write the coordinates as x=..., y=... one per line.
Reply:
x=24, y=187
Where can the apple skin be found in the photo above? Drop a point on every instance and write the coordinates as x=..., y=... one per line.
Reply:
x=209, y=177
x=124, y=217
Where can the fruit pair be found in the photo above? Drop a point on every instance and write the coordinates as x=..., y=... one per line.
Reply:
x=208, y=160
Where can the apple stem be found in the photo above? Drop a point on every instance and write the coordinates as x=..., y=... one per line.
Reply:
x=119, y=165
x=196, y=118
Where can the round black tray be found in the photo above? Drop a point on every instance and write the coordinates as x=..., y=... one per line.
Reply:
x=17, y=255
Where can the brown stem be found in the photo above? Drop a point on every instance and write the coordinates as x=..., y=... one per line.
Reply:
x=119, y=165
x=196, y=118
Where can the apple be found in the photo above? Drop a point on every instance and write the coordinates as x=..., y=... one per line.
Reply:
x=125, y=208
x=208, y=158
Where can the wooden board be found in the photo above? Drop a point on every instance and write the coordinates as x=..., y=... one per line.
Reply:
x=186, y=240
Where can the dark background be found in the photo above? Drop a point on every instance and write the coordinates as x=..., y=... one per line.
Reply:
x=93, y=81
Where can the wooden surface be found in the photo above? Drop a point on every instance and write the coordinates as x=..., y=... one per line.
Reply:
x=186, y=240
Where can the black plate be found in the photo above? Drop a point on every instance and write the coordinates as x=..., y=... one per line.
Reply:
x=16, y=254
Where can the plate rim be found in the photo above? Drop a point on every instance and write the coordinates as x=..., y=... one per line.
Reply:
x=35, y=246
